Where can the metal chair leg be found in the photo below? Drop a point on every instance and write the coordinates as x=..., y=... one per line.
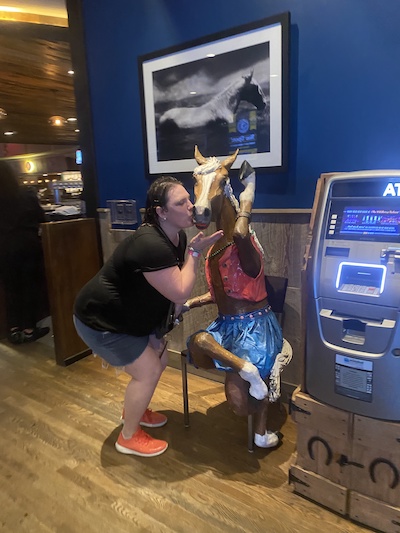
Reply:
x=250, y=433
x=185, y=391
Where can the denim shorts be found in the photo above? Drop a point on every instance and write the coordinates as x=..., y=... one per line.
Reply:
x=117, y=349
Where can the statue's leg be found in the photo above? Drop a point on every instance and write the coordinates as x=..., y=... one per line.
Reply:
x=203, y=344
x=242, y=404
x=238, y=397
x=263, y=438
x=200, y=357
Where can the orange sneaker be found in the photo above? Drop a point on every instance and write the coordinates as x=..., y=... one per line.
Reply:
x=141, y=444
x=150, y=419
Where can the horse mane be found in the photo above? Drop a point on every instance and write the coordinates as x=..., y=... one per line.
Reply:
x=212, y=164
x=233, y=89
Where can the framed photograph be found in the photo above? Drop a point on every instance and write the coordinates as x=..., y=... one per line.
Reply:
x=223, y=92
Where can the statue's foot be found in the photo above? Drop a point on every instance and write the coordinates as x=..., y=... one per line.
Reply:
x=258, y=388
x=268, y=440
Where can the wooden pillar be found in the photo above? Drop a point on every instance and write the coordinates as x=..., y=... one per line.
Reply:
x=72, y=257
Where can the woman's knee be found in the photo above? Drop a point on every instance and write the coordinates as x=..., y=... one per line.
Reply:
x=148, y=367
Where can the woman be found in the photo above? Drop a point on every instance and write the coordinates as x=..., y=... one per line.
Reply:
x=123, y=312
x=21, y=257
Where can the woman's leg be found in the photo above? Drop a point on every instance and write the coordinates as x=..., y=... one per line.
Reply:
x=145, y=373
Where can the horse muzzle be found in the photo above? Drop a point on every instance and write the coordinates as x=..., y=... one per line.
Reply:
x=201, y=217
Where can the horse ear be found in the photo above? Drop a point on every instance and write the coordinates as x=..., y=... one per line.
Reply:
x=249, y=76
x=199, y=158
x=228, y=162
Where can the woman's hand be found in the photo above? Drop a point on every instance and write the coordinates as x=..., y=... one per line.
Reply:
x=201, y=242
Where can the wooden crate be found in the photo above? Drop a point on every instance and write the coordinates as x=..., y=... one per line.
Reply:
x=375, y=459
x=322, y=437
x=374, y=513
x=319, y=489
x=347, y=462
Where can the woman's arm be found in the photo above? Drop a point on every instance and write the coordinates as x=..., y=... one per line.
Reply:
x=177, y=284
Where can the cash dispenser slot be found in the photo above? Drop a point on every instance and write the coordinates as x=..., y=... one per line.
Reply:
x=354, y=330
x=343, y=330
x=360, y=278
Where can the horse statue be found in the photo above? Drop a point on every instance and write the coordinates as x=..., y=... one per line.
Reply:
x=246, y=339
x=221, y=107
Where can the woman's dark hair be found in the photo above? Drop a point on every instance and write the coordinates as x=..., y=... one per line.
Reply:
x=157, y=195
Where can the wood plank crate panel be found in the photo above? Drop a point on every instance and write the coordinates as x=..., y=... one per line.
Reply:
x=319, y=489
x=375, y=459
x=321, y=453
x=374, y=513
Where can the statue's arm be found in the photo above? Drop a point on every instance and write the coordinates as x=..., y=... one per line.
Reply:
x=250, y=259
x=198, y=301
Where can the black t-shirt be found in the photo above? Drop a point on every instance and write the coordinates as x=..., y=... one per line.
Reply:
x=119, y=298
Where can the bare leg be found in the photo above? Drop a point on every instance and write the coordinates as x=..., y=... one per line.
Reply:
x=145, y=373
x=203, y=345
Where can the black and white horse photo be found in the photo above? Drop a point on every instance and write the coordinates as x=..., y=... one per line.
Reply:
x=214, y=103
x=221, y=108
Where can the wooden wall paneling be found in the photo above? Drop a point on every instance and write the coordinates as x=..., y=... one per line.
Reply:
x=283, y=237
x=72, y=257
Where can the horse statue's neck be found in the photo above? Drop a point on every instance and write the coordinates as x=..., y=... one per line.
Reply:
x=226, y=218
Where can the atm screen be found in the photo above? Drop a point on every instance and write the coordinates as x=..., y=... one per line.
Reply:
x=349, y=221
x=370, y=221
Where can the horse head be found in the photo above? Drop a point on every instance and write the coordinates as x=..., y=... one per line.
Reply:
x=210, y=176
x=252, y=92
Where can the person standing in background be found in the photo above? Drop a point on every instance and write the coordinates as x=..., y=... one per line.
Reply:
x=21, y=257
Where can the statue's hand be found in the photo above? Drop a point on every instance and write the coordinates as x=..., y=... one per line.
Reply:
x=247, y=174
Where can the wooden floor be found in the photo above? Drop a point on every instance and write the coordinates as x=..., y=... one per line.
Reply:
x=60, y=472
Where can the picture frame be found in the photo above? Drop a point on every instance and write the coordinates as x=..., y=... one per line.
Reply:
x=221, y=92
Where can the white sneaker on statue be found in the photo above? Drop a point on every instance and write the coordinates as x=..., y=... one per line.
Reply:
x=268, y=440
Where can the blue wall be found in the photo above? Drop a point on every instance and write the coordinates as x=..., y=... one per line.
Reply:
x=344, y=85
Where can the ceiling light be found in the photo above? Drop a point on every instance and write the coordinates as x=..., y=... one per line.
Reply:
x=10, y=9
x=57, y=120
x=77, y=131
x=210, y=55
x=71, y=72
x=3, y=113
x=10, y=132
x=72, y=119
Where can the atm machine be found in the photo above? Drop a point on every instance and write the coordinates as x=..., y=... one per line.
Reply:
x=353, y=325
